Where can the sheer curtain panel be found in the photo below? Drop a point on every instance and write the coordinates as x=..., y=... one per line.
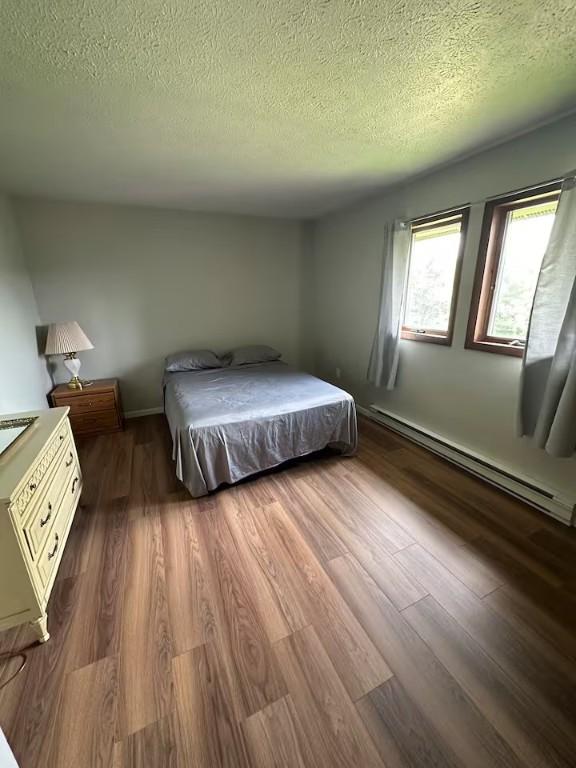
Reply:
x=383, y=365
x=547, y=406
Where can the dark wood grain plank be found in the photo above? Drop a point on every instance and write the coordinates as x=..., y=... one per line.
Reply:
x=509, y=565
x=514, y=558
x=92, y=458
x=146, y=429
x=278, y=601
x=475, y=500
x=435, y=537
x=92, y=454
x=391, y=491
x=145, y=693
x=209, y=734
x=276, y=738
x=85, y=722
x=332, y=726
x=487, y=504
x=359, y=665
x=145, y=492
x=536, y=608
x=550, y=679
x=157, y=744
x=29, y=705
x=534, y=737
x=432, y=505
x=102, y=589
x=440, y=698
x=252, y=665
x=120, y=448
x=357, y=534
x=401, y=733
x=559, y=542
x=188, y=584
x=355, y=512
x=385, y=439
x=307, y=514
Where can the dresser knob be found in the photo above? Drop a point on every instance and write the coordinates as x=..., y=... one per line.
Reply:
x=32, y=486
x=70, y=460
x=61, y=437
x=74, y=484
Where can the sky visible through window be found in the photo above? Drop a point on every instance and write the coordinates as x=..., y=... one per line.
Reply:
x=526, y=237
x=433, y=259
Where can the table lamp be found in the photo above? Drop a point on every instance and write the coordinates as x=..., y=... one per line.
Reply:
x=67, y=339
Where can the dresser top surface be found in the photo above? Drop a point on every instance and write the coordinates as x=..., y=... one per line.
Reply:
x=97, y=386
x=16, y=460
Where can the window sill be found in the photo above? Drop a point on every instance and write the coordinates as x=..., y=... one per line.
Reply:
x=495, y=347
x=430, y=338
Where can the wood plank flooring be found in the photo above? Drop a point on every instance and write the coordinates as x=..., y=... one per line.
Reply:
x=381, y=610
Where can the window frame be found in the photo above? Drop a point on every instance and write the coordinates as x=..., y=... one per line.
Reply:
x=431, y=335
x=487, y=266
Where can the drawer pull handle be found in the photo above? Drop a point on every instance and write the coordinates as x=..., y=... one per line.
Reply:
x=61, y=437
x=32, y=486
x=44, y=520
x=74, y=484
x=71, y=460
x=55, y=548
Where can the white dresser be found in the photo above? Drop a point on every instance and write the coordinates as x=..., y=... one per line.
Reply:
x=40, y=484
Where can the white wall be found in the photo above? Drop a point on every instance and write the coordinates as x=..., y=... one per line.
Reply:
x=464, y=395
x=23, y=380
x=146, y=282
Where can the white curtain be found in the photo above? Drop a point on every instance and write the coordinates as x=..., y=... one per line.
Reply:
x=383, y=365
x=548, y=383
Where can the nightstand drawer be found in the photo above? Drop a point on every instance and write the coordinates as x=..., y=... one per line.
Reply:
x=98, y=421
x=103, y=401
x=38, y=525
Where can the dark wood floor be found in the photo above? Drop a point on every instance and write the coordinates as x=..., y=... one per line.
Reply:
x=385, y=610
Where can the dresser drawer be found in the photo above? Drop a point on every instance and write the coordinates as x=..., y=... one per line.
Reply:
x=52, y=552
x=104, y=401
x=39, y=524
x=97, y=421
x=36, y=482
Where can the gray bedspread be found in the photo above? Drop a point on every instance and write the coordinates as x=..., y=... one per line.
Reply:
x=228, y=423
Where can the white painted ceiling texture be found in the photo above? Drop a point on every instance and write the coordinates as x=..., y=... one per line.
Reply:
x=289, y=107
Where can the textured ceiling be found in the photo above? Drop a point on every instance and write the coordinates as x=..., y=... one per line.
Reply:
x=266, y=106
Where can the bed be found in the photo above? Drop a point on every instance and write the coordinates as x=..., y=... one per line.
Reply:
x=232, y=422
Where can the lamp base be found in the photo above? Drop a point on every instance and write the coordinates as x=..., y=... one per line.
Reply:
x=76, y=383
x=73, y=364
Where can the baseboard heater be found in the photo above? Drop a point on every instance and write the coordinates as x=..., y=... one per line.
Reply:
x=545, y=499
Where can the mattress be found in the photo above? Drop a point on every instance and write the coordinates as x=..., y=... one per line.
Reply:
x=229, y=423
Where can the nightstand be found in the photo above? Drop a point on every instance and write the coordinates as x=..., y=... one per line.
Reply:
x=93, y=410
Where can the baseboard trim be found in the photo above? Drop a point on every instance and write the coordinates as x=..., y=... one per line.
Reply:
x=547, y=500
x=145, y=412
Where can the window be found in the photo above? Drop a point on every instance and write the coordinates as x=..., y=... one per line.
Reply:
x=433, y=275
x=515, y=234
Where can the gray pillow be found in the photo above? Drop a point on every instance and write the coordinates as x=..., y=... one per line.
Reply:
x=257, y=353
x=192, y=360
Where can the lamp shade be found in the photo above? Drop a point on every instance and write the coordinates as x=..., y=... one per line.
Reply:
x=64, y=338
